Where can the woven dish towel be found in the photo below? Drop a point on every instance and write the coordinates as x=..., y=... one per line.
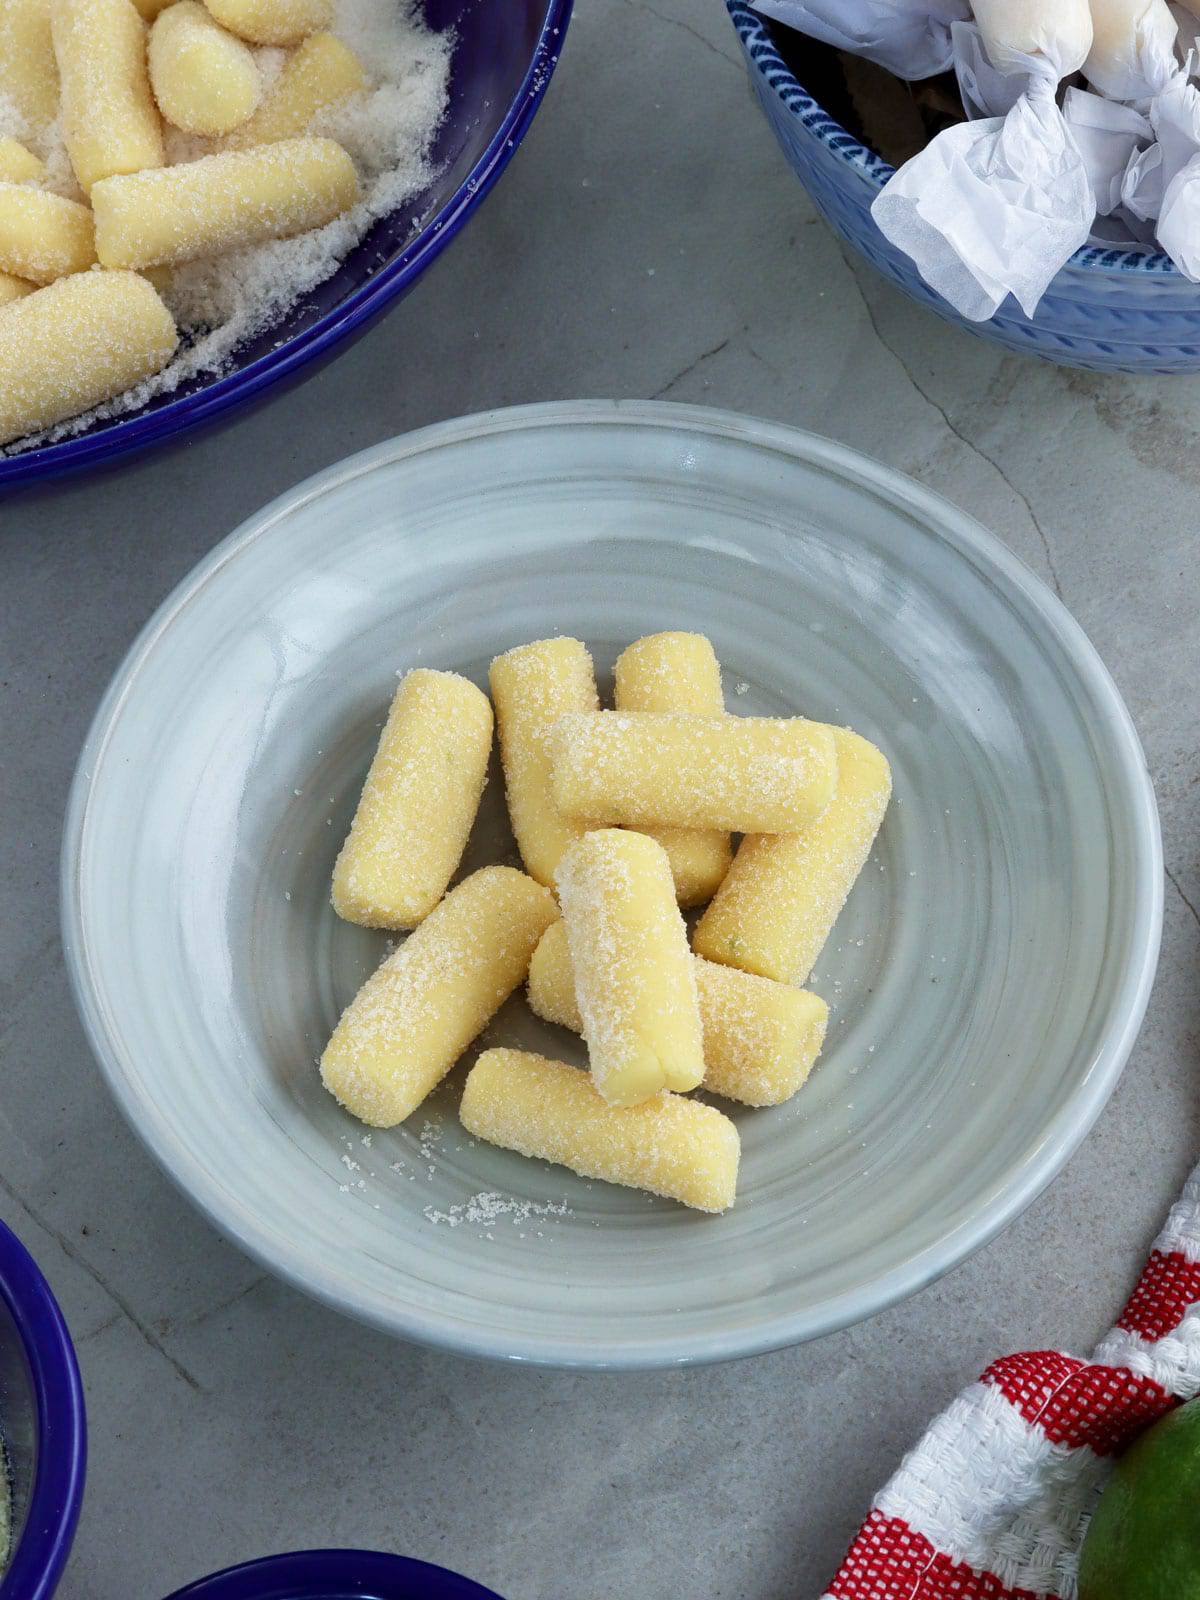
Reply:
x=992, y=1504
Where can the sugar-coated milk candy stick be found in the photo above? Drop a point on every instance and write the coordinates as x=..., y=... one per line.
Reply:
x=679, y=672
x=272, y=21
x=13, y=289
x=417, y=804
x=18, y=165
x=414, y=1017
x=222, y=202
x=760, y=1037
x=549, y=1111
x=774, y=912
x=151, y=8
x=76, y=344
x=43, y=236
x=319, y=75
x=635, y=980
x=110, y=121
x=205, y=80
x=28, y=73
x=676, y=770
x=532, y=687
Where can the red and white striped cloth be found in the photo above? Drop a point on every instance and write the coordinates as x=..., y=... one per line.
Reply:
x=993, y=1502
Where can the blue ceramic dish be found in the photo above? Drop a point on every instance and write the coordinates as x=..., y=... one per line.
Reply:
x=42, y=1423
x=504, y=57
x=335, y=1575
x=1108, y=310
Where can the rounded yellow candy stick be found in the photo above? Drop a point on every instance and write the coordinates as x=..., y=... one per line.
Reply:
x=644, y=769
x=418, y=802
x=110, y=121
x=418, y=1012
x=42, y=235
x=76, y=344
x=634, y=976
x=151, y=8
x=319, y=75
x=272, y=21
x=679, y=672
x=18, y=165
x=28, y=73
x=774, y=912
x=222, y=202
x=205, y=80
x=760, y=1038
x=13, y=289
x=532, y=687
x=549, y=1111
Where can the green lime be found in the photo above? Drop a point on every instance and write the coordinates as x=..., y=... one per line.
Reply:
x=1144, y=1540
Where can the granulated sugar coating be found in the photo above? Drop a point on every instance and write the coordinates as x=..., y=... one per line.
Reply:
x=760, y=1038
x=774, y=912
x=532, y=686
x=677, y=770
x=418, y=1012
x=635, y=979
x=670, y=1145
x=56, y=344
x=488, y=1207
x=678, y=672
x=417, y=804
x=220, y=303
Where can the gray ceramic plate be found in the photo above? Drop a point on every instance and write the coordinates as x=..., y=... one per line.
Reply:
x=987, y=978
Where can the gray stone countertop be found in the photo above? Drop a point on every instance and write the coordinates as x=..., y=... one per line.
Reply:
x=648, y=240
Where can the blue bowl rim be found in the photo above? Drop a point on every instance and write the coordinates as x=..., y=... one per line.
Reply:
x=798, y=102
x=961, y=530
x=318, y=1574
x=56, y=1493
x=366, y=302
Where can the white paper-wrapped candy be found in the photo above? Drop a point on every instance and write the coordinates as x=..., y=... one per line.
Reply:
x=998, y=206
x=909, y=37
x=1133, y=59
x=986, y=91
x=1133, y=48
x=1111, y=137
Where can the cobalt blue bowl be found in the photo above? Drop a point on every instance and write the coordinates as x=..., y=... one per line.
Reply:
x=505, y=54
x=42, y=1425
x=335, y=1575
x=1107, y=310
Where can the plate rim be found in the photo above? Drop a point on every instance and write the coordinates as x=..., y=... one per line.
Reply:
x=1027, y=1179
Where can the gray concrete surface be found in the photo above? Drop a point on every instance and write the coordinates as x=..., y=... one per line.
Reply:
x=648, y=240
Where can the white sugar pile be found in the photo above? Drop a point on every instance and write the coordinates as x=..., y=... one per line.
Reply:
x=389, y=132
x=487, y=1208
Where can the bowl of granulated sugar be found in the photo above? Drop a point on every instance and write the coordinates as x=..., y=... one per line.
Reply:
x=445, y=92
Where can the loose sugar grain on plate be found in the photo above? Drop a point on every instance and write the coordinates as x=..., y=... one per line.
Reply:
x=221, y=303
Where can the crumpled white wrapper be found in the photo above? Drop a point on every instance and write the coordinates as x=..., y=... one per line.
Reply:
x=1111, y=137
x=909, y=37
x=995, y=207
x=985, y=90
x=1161, y=183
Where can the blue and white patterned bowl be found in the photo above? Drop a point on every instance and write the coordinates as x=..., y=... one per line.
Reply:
x=1108, y=310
